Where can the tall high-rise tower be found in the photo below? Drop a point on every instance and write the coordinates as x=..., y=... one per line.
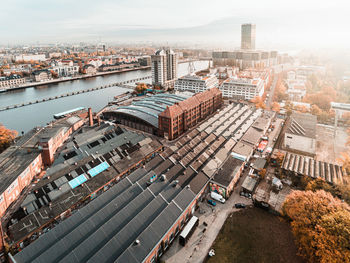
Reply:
x=164, y=68
x=248, y=36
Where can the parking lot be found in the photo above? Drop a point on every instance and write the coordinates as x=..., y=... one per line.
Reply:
x=211, y=219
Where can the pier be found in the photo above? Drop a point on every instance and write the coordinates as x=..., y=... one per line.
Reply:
x=123, y=84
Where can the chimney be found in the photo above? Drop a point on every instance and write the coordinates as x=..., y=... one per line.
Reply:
x=91, y=121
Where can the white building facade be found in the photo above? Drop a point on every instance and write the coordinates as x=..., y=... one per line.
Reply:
x=196, y=83
x=164, y=68
x=242, y=88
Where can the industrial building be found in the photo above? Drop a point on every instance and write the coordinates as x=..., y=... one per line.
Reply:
x=143, y=193
x=300, y=165
x=300, y=133
x=168, y=115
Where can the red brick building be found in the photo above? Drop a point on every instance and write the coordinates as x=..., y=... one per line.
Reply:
x=181, y=116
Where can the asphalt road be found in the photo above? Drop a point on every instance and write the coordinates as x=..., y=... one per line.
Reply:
x=271, y=93
x=198, y=246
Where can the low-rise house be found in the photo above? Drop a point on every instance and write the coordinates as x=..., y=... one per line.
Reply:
x=226, y=178
x=42, y=75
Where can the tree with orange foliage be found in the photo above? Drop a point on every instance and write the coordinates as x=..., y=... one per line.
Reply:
x=262, y=173
x=302, y=108
x=259, y=103
x=276, y=107
x=6, y=137
x=315, y=110
x=141, y=88
x=321, y=225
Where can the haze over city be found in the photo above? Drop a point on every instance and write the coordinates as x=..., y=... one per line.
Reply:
x=174, y=131
x=281, y=24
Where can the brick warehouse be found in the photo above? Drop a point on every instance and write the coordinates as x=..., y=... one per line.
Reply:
x=181, y=116
x=167, y=115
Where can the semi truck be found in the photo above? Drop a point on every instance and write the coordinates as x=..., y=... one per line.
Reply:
x=217, y=197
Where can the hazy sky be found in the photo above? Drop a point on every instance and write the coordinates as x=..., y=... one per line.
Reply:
x=280, y=23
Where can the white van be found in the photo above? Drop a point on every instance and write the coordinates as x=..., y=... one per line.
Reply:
x=217, y=197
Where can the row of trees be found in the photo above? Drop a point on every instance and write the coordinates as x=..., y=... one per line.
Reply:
x=6, y=137
x=320, y=224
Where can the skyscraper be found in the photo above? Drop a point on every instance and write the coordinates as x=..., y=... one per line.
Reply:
x=248, y=36
x=164, y=68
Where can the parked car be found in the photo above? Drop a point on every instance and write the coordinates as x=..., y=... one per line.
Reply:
x=240, y=205
x=211, y=202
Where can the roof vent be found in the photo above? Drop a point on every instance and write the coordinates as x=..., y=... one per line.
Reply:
x=188, y=186
x=137, y=242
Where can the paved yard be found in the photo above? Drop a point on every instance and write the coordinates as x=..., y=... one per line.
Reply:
x=202, y=239
x=328, y=148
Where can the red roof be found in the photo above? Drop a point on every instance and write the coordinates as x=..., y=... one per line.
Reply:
x=171, y=112
x=189, y=103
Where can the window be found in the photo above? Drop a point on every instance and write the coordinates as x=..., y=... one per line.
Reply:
x=166, y=244
x=159, y=251
x=153, y=260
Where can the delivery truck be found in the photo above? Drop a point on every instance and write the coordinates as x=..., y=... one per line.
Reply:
x=217, y=197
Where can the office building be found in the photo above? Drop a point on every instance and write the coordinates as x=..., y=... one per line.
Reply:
x=248, y=36
x=164, y=68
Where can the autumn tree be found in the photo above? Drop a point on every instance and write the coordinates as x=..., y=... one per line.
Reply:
x=259, y=103
x=6, y=137
x=315, y=110
x=276, y=107
x=321, y=225
x=141, y=88
x=302, y=108
x=262, y=173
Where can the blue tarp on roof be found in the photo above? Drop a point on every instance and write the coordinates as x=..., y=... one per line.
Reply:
x=98, y=169
x=77, y=181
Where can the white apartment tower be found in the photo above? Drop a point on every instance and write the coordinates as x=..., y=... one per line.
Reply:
x=164, y=68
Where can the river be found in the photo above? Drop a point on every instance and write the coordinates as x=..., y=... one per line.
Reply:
x=25, y=118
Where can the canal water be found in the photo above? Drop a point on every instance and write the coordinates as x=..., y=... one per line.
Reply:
x=25, y=118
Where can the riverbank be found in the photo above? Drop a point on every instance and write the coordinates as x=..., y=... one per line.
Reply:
x=55, y=81
x=123, y=84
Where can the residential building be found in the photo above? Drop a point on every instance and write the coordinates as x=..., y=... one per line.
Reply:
x=39, y=57
x=65, y=68
x=300, y=133
x=196, y=83
x=242, y=88
x=42, y=75
x=89, y=69
x=248, y=36
x=164, y=68
x=11, y=81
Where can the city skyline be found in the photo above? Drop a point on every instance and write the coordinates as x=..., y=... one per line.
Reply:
x=279, y=25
